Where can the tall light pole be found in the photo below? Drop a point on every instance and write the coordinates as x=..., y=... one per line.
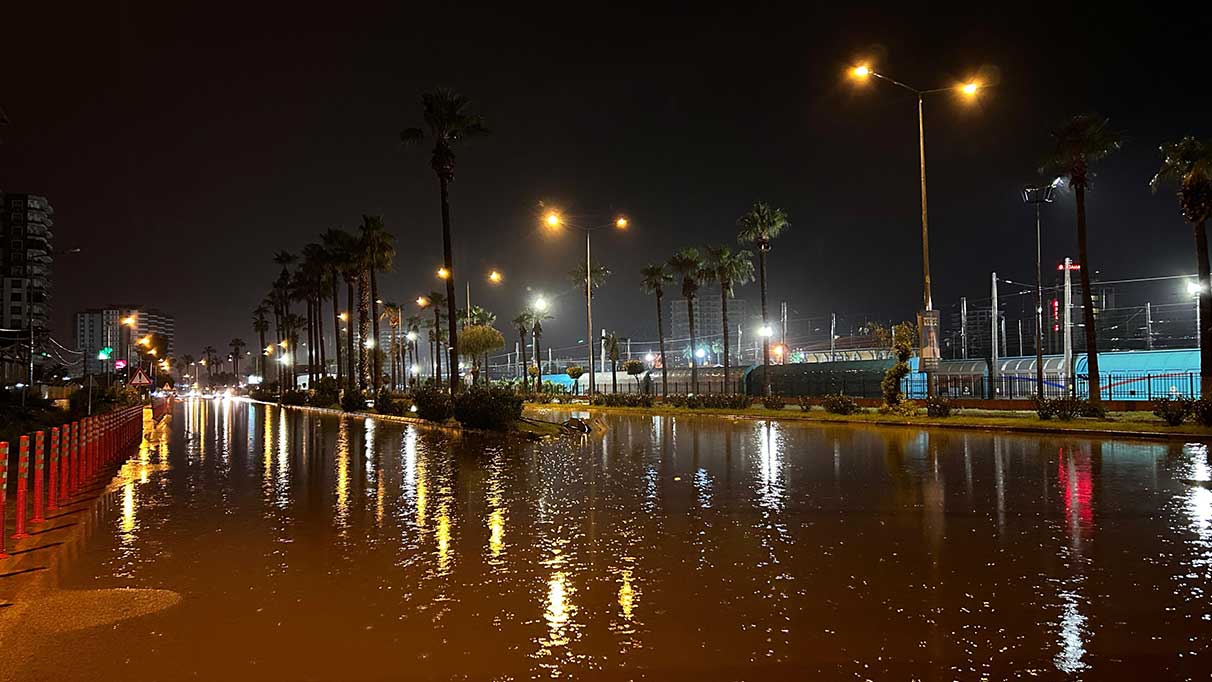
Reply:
x=555, y=220
x=1037, y=197
x=969, y=90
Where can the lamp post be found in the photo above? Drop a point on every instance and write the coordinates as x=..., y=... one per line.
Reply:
x=969, y=90
x=555, y=220
x=1038, y=196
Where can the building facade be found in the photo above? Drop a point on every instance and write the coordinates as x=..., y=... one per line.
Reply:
x=99, y=328
x=708, y=322
x=25, y=260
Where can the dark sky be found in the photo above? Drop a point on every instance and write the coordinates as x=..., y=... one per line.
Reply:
x=182, y=146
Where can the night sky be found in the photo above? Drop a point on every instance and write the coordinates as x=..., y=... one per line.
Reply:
x=181, y=147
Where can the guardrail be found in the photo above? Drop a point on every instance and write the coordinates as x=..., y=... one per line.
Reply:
x=80, y=452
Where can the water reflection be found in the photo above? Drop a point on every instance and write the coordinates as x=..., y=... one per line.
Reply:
x=675, y=548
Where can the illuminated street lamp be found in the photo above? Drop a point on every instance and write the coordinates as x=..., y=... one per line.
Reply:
x=1038, y=196
x=344, y=317
x=443, y=273
x=422, y=302
x=555, y=220
x=969, y=90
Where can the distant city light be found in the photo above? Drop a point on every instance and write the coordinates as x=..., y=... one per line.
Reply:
x=649, y=357
x=700, y=354
x=765, y=331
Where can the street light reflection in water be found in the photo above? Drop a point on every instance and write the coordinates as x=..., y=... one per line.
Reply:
x=674, y=546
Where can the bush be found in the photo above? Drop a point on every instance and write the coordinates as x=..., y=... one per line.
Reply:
x=623, y=399
x=294, y=397
x=1066, y=408
x=1087, y=408
x=1201, y=411
x=1044, y=408
x=675, y=400
x=326, y=393
x=353, y=400
x=487, y=407
x=709, y=401
x=938, y=406
x=432, y=402
x=390, y=404
x=1173, y=410
x=837, y=403
x=774, y=402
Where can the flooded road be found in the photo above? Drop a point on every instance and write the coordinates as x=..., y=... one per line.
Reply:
x=306, y=547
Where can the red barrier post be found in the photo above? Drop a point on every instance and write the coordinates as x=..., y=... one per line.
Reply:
x=73, y=465
x=3, y=495
x=39, y=474
x=22, y=481
x=52, y=497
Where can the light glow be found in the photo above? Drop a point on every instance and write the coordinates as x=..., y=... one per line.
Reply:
x=443, y=273
x=970, y=88
x=553, y=219
x=494, y=277
x=540, y=304
x=621, y=223
x=860, y=71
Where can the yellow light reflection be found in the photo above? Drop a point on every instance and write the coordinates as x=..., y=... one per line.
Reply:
x=342, y=511
x=496, y=532
x=627, y=595
x=559, y=609
x=443, y=536
x=128, y=507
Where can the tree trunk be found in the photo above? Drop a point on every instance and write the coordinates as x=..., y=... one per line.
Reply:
x=261, y=355
x=311, y=346
x=363, y=330
x=437, y=345
x=614, y=375
x=1095, y=379
x=1205, y=309
x=448, y=260
x=661, y=346
x=336, y=328
x=694, y=361
x=351, y=372
x=724, y=316
x=320, y=331
x=765, y=323
x=521, y=354
x=538, y=363
x=374, y=321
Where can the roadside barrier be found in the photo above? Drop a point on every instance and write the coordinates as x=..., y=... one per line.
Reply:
x=80, y=452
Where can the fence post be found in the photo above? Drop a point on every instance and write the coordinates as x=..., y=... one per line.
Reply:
x=39, y=470
x=3, y=496
x=22, y=482
x=53, y=489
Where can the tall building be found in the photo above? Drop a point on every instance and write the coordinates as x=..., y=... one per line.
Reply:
x=98, y=328
x=25, y=260
x=708, y=319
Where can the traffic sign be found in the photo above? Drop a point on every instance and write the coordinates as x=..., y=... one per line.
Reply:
x=140, y=379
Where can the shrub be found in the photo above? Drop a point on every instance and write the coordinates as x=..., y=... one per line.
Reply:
x=837, y=403
x=938, y=406
x=675, y=400
x=388, y=403
x=1173, y=410
x=487, y=407
x=1044, y=408
x=353, y=400
x=1066, y=408
x=1087, y=408
x=326, y=393
x=1201, y=411
x=294, y=397
x=432, y=402
x=774, y=402
x=623, y=399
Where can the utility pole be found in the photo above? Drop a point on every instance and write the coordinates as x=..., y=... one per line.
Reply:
x=993, y=367
x=783, y=342
x=1148, y=325
x=832, y=337
x=963, y=327
x=1020, y=338
x=1070, y=382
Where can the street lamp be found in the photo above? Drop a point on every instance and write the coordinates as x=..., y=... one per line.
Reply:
x=970, y=89
x=493, y=277
x=554, y=221
x=1038, y=196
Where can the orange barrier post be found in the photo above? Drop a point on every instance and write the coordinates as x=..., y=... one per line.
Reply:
x=22, y=482
x=52, y=489
x=3, y=495
x=39, y=471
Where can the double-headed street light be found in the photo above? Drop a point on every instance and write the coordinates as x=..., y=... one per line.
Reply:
x=554, y=221
x=968, y=90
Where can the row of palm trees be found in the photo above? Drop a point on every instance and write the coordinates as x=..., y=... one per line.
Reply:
x=719, y=265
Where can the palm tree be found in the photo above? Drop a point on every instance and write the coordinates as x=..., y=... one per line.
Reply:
x=437, y=301
x=351, y=267
x=653, y=279
x=449, y=120
x=536, y=331
x=336, y=245
x=522, y=324
x=380, y=252
x=237, y=346
x=412, y=327
x=612, y=352
x=365, y=342
x=688, y=265
x=211, y=357
x=1188, y=163
x=260, y=326
x=759, y=226
x=1079, y=142
x=391, y=315
x=729, y=269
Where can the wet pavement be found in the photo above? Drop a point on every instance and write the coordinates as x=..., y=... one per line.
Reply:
x=307, y=547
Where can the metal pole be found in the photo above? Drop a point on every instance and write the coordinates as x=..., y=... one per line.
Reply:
x=993, y=367
x=1020, y=338
x=1039, y=312
x=927, y=299
x=1149, y=325
x=832, y=336
x=783, y=341
x=589, y=310
x=963, y=327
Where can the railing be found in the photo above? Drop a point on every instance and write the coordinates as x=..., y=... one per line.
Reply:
x=79, y=453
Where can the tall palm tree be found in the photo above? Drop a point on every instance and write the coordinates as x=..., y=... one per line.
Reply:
x=758, y=227
x=522, y=324
x=365, y=340
x=351, y=267
x=1077, y=143
x=438, y=301
x=536, y=331
x=653, y=279
x=391, y=315
x=336, y=245
x=1188, y=164
x=211, y=356
x=729, y=270
x=688, y=265
x=237, y=346
x=449, y=120
x=380, y=252
x=612, y=352
x=412, y=327
x=260, y=326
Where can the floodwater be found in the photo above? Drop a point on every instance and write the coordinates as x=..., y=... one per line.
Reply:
x=308, y=547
